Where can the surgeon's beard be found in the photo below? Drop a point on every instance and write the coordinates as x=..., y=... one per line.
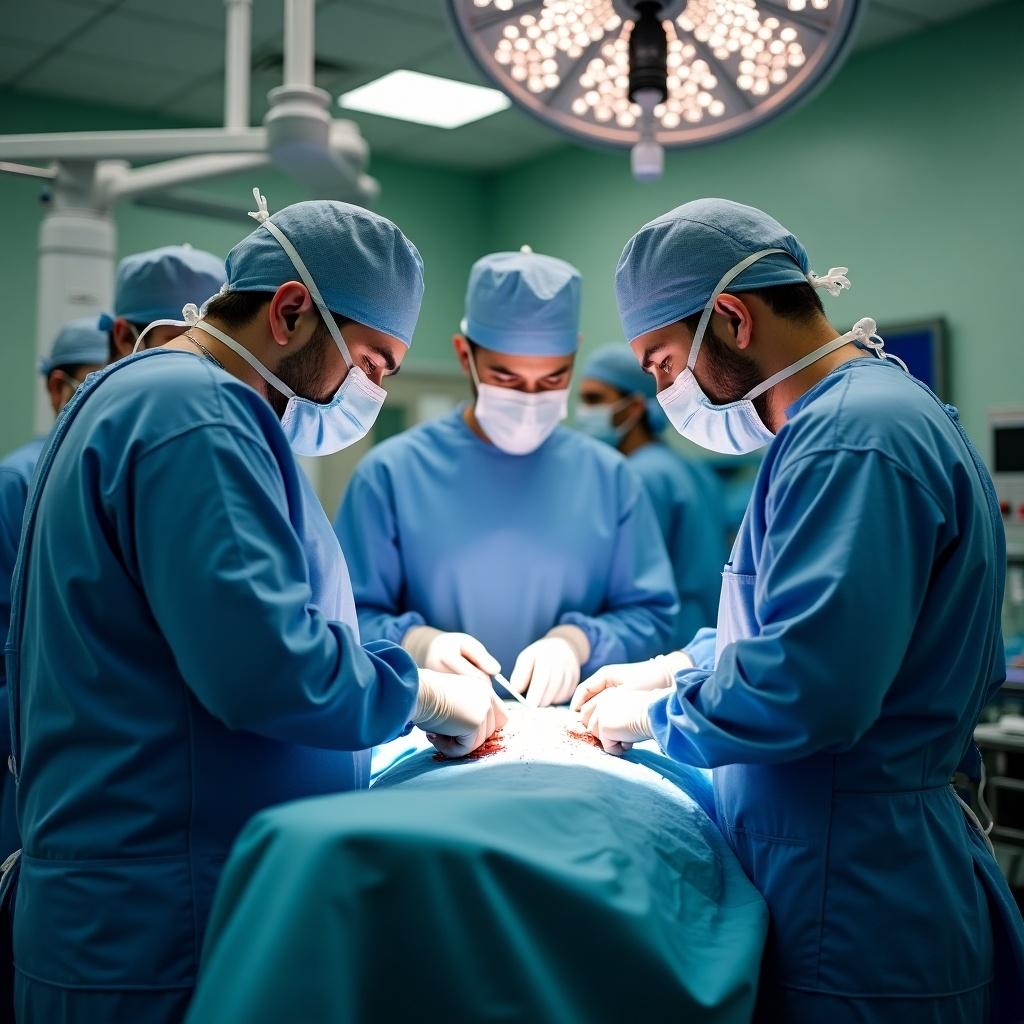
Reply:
x=304, y=372
x=730, y=375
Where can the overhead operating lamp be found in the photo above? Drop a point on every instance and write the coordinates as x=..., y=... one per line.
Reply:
x=89, y=173
x=651, y=74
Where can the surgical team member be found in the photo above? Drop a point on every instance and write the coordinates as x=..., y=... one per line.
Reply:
x=156, y=285
x=617, y=406
x=79, y=348
x=176, y=663
x=494, y=539
x=858, y=637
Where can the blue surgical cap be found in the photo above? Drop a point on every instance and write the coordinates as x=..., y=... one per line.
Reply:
x=158, y=284
x=363, y=266
x=524, y=304
x=616, y=366
x=81, y=342
x=671, y=266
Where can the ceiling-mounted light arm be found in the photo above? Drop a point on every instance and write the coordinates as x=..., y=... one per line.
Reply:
x=27, y=170
x=237, y=63
x=648, y=86
x=116, y=181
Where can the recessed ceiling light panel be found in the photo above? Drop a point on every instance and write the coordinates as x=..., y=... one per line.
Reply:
x=425, y=99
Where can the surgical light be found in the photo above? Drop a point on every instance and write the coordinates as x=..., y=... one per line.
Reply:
x=647, y=74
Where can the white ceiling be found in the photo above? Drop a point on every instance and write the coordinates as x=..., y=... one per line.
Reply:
x=167, y=59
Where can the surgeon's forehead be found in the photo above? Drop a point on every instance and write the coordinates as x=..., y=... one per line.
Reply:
x=523, y=363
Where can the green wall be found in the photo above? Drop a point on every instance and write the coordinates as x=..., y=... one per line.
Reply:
x=442, y=211
x=908, y=169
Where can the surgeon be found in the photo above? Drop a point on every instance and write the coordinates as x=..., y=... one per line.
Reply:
x=79, y=348
x=153, y=287
x=183, y=651
x=858, y=636
x=617, y=406
x=495, y=539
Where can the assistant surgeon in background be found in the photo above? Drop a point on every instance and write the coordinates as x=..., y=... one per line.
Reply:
x=494, y=538
x=617, y=405
x=858, y=635
x=148, y=286
x=156, y=285
x=178, y=660
x=79, y=348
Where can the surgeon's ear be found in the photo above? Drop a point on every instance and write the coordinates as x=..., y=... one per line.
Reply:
x=123, y=337
x=461, y=347
x=739, y=322
x=290, y=301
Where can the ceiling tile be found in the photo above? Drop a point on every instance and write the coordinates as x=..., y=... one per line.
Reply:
x=435, y=11
x=95, y=81
x=267, y=16
x=452, y=62
x=16, y=56
x=932, y=10
x=366, y=37
x=880, y=26
x=158, y=44
x=52, y=22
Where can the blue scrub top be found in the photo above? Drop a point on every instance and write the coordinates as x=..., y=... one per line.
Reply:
x=174, y=610
x=858, y=640
x=444, y=529
x=15, y=476
x=690, y=513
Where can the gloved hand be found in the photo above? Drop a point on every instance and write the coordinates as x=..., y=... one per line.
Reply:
x=620, y=717
x=549, y=669
x=458, y=653
x=641, y=675
x=458, y=713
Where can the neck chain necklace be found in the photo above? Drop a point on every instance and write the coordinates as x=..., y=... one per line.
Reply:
x=202, y=348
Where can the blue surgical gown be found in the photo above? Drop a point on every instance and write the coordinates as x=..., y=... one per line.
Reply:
x=858, y=640
x=15, y=475
x=690, y=513
x=175, y=665
x=441, y=528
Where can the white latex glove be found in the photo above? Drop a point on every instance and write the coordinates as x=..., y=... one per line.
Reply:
x=620, y=717
x=458, y=713
x=458, y=653
x=549, y=669
x=655, y=674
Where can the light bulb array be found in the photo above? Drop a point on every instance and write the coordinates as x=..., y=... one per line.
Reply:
x=717, y=49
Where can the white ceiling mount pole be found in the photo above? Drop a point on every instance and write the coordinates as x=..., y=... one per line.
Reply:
x=299, y=45
x=237, y=63
x=77, y=243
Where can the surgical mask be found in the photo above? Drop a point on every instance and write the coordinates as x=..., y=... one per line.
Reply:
x=319, y=428
x=515, y=421
x=736, y=428
x=597, y=421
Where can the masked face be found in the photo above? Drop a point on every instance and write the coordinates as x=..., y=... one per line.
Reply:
x=306, y=372
x=520, y=416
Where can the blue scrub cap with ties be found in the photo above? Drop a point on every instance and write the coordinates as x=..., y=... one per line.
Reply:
x=82, y=342
x=159, y=283
x=523, y=303
x=363, y=266
x=671, y=267
x=616, y=366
